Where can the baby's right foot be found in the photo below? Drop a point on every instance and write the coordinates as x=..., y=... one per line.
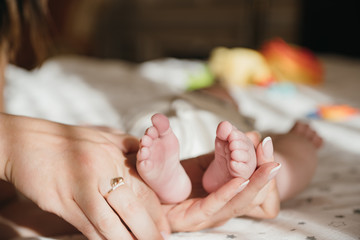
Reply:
x=234, y=157
x=158, y=162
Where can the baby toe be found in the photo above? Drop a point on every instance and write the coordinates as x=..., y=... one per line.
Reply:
x=239, y=145
x=237, y=136
x=224, y=129
x=146, y=141
x=143, y=154
x=317, y=141
x=240, y=169
x=221, y=146
x=240, y=156
x=310, y=133
x=161, y=123
x=152, y=132
x=299, y=127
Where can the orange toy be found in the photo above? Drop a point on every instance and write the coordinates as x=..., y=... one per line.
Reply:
x=292, y=63
x=337, y=112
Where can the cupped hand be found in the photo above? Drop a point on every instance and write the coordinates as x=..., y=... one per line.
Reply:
x=256, y=198
x=67, y=170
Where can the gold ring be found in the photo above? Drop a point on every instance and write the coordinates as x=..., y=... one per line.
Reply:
x=115, y=183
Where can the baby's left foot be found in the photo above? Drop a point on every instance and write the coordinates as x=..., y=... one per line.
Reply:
x=234, y=157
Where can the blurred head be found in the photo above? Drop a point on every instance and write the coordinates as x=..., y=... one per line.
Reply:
x=24, y=24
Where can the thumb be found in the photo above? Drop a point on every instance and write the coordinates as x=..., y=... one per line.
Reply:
x=265, y=151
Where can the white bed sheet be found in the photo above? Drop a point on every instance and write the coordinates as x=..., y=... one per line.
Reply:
x=328, y=209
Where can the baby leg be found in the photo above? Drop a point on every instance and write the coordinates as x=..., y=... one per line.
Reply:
x=158, y=162
x=234, y=157
x=297, y=153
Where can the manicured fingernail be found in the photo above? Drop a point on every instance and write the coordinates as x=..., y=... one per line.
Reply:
x=242, y=186
x=165, y=235
x=274, y=172
x=268, y=148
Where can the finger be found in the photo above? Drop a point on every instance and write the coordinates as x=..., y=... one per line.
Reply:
x=218, y=199
x=101, y=216
x=77, y=218
x=199, y=215
x=265, y=151
x=133, y=213
x=153, y=205
x=270, y=208
x=237, y=205
x=260, y=178
x=160, y=221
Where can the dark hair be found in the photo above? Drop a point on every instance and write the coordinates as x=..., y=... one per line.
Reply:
x=25, y=22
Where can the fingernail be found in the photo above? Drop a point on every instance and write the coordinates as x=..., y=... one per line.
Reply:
x=274, y=171
x=165, y=235
x=242, y=186
x=267, y=146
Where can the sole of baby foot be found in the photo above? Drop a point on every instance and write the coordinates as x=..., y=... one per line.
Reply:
x=158, y=162
x=234, y=157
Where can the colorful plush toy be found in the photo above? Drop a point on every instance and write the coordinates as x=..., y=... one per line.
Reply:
x=333, y=112
x=292, y=63
x=276, y=62
x=337, y=112
x=240, y=66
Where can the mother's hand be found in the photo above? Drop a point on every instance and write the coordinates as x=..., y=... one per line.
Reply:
x=67, y=170
x=257, y=198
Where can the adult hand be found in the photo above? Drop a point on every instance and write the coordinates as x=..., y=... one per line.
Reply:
x=67, y=170
x=257, y=198
x=266, y=204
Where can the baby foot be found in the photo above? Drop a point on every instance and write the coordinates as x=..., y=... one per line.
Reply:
x=158, y=162
x=234, y=157
x=296, y=150
x=304, y=130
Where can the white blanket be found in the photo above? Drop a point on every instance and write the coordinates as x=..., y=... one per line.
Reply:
x=77, y=90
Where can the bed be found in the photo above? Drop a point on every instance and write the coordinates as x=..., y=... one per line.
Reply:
x=328, y=209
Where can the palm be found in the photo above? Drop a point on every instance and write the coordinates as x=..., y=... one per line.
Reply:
x=203, y=210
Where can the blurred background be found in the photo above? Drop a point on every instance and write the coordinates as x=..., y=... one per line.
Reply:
x=141, y=30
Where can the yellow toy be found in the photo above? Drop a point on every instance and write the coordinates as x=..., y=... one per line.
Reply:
x=239, y=66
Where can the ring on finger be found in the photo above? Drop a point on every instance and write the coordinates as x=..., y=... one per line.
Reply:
x=115, y=183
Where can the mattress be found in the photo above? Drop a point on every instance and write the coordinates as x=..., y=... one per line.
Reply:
x=117, y=94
